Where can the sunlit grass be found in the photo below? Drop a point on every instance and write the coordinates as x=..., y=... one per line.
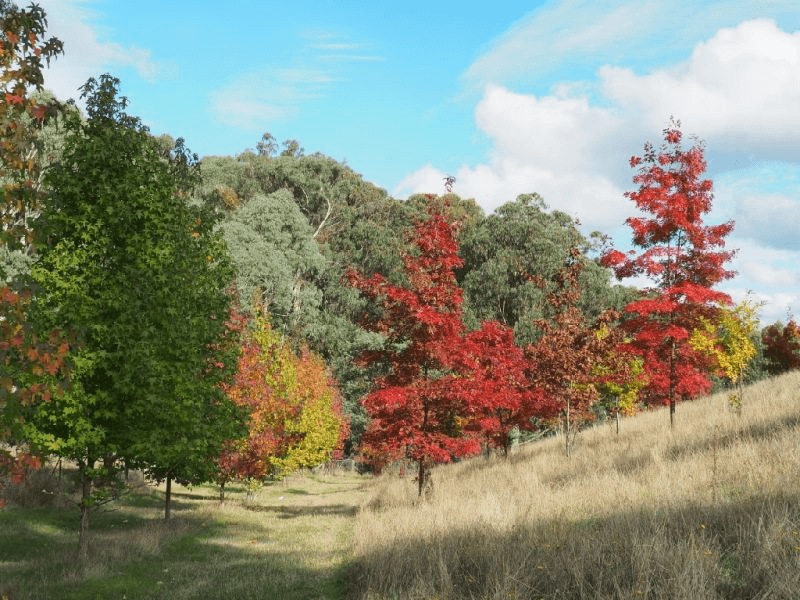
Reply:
x=708, y=510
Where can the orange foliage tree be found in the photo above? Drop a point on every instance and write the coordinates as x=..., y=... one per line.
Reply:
x=295, y=410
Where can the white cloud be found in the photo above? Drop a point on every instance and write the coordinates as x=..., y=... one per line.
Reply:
x=554, y=146
x=586, y=34
x=741, y=89
x=769, y=275
x=772, y=273
x=86, y=54
x=425, y=180
x=774, y=219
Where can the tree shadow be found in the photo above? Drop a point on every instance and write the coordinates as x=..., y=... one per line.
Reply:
x=292, y=512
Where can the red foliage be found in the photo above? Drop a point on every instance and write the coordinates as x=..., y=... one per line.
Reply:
x=563, y=361
x=28, y=364
x=268, y=414
x=31, y=368
x=415, y=411
x=294, y=407
x=497, y=384
x=782, y=347
x=683, y=256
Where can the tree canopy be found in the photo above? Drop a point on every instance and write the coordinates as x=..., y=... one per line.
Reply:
x=141, y=277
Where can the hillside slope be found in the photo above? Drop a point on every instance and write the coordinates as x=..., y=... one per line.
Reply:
x=709, y=510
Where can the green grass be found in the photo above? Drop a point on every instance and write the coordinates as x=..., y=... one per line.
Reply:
x=293, y=541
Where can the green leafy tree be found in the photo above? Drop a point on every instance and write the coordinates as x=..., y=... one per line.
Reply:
x=504, y=252
x=142, y=276
x=349, y=221
x=277, y=259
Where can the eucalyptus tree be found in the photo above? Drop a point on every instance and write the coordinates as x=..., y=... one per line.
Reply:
x=513, y=256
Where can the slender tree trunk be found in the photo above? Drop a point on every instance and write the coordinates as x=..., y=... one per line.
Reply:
x=86, y=493
x=421, y=475
x=566, y=429
x=168, y=499
x=672, y=386
x=296, y=287
x=222, y=492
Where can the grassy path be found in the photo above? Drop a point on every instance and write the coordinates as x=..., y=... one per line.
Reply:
x=291, y=542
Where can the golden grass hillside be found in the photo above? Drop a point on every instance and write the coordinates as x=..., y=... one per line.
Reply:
x=709, y=510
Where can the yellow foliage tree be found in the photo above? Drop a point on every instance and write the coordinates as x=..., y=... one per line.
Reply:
x=727, y=342
x=295, y=410
x=319, y=428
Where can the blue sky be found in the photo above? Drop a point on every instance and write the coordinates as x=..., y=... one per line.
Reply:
x=509, y=97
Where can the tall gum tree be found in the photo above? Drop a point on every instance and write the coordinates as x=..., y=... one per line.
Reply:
x=685, y=259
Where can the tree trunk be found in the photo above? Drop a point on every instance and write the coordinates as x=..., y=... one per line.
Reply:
x=86, y=493
x=222, y=493
x=672, y=387
x=566, y=429
x=421, y=475
x=296, y=287
x=168, y=499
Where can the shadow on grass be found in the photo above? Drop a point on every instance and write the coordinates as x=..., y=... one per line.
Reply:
x=195, y=495
x=192, y=557
x=291, y=512
x=737, y=551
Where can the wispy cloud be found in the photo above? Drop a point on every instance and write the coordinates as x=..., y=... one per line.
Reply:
x=252, y=100
x=350, y=58
x=337, y=46
x=86, y=52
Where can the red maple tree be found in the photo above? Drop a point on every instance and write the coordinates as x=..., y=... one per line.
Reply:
x=782, y=347
x=414, y=410
x=564, y=363
x=497, y=385
x=684, y=257
x=30, y=364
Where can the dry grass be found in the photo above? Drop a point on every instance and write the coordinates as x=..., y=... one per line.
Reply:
x=709, y=510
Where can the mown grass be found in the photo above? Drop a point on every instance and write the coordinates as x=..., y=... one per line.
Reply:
x=708, y=510
x=291, y=541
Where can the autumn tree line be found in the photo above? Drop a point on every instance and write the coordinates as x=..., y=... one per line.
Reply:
x=238, y=318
